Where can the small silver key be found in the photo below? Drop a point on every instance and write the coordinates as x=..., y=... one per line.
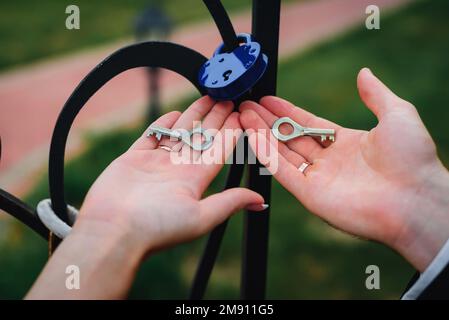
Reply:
x=184, y=135
x=299, y=131
x=158, y=132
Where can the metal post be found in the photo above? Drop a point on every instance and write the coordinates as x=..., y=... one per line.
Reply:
x=265, y=29
x=153, y=24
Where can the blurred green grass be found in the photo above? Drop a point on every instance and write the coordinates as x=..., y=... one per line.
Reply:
x=307, y=258
x=34, y=29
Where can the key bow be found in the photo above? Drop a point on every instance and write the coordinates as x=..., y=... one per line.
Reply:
x=297, y=129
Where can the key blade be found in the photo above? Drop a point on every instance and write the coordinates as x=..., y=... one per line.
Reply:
x=161, y=131
x=318, y=132
x=327, y=137
x=154, y=133
x=324, y=134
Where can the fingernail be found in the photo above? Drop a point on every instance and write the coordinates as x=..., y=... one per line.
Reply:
x=257, y=207
x=368, y=69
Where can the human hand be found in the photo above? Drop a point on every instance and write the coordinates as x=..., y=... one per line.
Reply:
x=386, y=184
x=144, y=194
x=143, y=201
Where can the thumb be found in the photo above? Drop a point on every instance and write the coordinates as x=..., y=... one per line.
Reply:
x=376, y=95
x=218, y=207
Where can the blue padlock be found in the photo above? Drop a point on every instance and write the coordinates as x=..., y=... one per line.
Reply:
x=226, y=76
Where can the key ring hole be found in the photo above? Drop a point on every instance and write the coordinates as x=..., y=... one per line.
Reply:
x=286, y=129
x=199, y=140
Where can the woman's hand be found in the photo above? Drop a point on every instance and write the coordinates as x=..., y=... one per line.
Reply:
x=155, y=194
x=147, y=199
x=386, y=184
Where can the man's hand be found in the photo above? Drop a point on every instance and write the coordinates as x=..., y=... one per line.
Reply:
x=386, y=184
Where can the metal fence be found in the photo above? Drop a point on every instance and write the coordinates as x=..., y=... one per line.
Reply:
x=186, y=62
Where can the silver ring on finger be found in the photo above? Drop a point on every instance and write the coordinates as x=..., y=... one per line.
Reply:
x=166, y=148
x=304, y=166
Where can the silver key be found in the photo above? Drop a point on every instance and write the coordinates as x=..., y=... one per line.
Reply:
x=158, y=132
x=299, y=131
x=184, y=135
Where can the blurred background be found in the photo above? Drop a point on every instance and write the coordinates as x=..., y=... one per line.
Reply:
x=323, y=44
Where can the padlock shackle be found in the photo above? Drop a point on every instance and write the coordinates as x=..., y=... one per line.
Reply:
x=241, y=36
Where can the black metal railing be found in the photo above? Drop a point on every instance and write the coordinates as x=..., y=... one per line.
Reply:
x=186, y=62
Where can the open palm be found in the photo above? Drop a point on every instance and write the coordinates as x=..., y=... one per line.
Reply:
x=157, y=194
x=366, y=182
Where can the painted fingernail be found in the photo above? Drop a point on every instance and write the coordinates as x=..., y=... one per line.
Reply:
x=257, y=207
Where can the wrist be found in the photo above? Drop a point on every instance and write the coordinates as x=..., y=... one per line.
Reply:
x=426, y=224
x=106, y=260
x=110, y=220
x=108, y=233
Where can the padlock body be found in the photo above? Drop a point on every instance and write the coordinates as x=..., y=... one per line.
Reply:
x=226, y=76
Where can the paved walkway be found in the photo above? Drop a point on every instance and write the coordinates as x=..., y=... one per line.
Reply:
x=32, y=96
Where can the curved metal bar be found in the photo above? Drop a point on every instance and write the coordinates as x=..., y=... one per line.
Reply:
x=22, y=212
x=177, y=58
